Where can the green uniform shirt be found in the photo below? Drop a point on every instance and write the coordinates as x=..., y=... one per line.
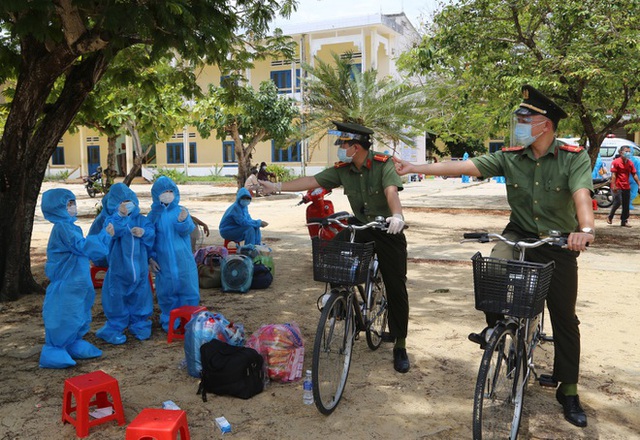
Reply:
x=365, y=186
x=540, y=190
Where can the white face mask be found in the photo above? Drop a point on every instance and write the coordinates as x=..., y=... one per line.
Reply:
x=166, y=197
x=342, y=155
x=522, y=133
x=72, y=210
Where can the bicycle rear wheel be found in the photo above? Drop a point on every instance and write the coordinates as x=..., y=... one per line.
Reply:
x=332, y=352
x=499, y=392
x=377, y=311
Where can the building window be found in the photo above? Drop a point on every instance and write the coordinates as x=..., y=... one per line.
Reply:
x=228, y=152
x=58, y=156
x=282, y=80
x=174, y=152
x=193, y=152
x=495, y=146
x=290, y=154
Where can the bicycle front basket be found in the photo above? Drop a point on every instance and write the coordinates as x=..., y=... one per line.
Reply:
x=510, y=287
x=341, y=262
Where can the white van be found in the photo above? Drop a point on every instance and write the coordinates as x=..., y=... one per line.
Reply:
x=609, y=149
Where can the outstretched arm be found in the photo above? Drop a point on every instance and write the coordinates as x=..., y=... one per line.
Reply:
x=299, y=184
x=450, y=168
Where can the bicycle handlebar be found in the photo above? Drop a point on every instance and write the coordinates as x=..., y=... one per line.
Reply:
x=486, y=237
x=338, y=217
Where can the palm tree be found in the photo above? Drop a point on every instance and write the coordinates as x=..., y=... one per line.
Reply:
x=338, y=91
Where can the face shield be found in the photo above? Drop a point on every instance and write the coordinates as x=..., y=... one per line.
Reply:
x=339, y=137
x=523, y=123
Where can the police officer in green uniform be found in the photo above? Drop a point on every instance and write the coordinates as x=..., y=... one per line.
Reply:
x=371, y=184
x=548, y=188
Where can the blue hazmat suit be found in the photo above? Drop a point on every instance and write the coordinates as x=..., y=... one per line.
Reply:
x=237, y=225
x=97, y=227
x=465, y=179
x=632, y=182
x=177, y=278
x=595, y=174
x=127, y=299
x=66, y=310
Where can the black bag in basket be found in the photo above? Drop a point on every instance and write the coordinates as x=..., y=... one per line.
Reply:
x=230, y=370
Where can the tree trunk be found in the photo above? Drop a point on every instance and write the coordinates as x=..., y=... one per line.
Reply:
x=31, y=134
x=111, y=172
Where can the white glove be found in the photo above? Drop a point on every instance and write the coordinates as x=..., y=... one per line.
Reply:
x=110, y=229
x=396, y=224
x=270, y=187
x=182, y=215
x=137, y=232
x=153, y=266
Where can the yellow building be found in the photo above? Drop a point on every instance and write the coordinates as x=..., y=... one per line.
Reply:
x=375, y=42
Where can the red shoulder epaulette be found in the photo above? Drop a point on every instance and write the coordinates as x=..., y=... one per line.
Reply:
x=571, y=148
x=340, y=164
x=381, y=157
x=512, y=149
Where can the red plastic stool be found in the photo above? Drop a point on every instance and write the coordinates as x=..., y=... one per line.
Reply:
x=232, y=250
x=98, y=282
x=83, y=389
x=159, y=424
x=184, y=315
x=95, y=270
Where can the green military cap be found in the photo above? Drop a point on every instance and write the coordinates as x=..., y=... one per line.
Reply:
x=534, y=102
x=348, y=131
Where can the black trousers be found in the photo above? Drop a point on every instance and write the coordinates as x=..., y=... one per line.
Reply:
x=561, y=302
x=392, y=257
x=621, y=198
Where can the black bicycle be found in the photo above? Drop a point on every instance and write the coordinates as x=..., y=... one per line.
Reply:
x=516, y=289
x=354, y=300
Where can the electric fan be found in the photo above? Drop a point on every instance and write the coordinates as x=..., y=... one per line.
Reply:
x=236, y=273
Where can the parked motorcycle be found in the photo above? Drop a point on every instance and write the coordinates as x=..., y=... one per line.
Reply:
x=319, y=208
x=602, y=192
x=94, y=183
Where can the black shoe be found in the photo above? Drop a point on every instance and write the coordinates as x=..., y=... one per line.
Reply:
x=572, y=409
x=401, y=360
x=480, y=338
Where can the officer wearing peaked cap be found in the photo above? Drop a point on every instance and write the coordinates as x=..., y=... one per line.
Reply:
x=371, y=185
x=548, y=188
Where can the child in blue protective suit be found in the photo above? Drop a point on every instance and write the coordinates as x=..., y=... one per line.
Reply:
x=70, y=295
x=237, y=225
x=172, y=259
x=127, y=299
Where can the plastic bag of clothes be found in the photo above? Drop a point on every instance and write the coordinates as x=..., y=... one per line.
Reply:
x=282, y=349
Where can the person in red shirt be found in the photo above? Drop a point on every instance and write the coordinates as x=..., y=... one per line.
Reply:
x=621, y=169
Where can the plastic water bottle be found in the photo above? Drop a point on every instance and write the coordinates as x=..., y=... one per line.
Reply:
x=307, y=396
x=354, y=268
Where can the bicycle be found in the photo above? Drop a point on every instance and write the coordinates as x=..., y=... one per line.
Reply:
x=347, y=267
x=516, y=289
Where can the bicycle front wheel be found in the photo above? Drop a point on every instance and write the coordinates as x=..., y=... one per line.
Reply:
x=332, y=352
x=498, y=396
x=377, y=311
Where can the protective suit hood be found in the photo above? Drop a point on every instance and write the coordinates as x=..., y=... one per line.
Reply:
x=162, y=184
x=243, y=192
x=54, y=205
x=118, y=193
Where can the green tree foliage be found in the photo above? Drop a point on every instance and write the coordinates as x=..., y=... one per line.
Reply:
x=337, y=91
x=43, y=42
x=246, y=115
x=582, y=53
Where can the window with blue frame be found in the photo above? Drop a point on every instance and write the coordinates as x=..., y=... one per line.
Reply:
x=58, y=156
x=174, y=152
x=282, y=80
x=290, y=154
x=495, y=146
x=357, y=67
x=228, y=152
x=175, y=149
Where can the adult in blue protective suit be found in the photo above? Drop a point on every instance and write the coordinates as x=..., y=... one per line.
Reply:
x=98, y=226
x=171, y=258
x=127, y=299
x=67, y=304
x=237, y=225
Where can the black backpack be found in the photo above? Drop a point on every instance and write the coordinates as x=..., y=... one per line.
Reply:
x=262, y=276
x=230, y=370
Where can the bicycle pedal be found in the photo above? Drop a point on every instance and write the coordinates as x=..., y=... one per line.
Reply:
x=548, y=381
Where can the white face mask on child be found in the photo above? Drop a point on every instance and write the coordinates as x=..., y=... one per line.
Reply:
x=72, y=210
x=166, y=197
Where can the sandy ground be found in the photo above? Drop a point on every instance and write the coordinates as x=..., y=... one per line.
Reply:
x=433, y=401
